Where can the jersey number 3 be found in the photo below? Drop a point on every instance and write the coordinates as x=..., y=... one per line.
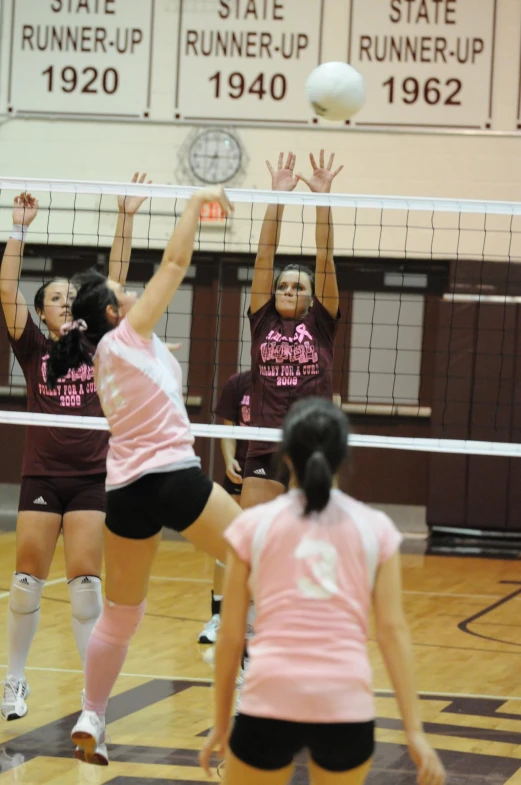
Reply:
x=320, y=559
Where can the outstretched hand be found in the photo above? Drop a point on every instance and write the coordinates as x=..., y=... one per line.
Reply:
x=322, y=177
x=25, y=209
x=131, y=204
x=216, y=194
x=283, y=177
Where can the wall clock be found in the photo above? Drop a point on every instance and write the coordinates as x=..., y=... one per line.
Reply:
x=215, y=156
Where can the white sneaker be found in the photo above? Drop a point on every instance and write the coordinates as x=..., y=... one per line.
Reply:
x=13, y=703
x=89, y=736
x=209, y=632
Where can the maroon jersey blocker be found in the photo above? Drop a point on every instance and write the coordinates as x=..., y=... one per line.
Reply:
x=290, y=359
x=58, y=452
x=234, y=405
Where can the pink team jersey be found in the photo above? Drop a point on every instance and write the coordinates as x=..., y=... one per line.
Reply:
x=311, y=580
x=140, y=388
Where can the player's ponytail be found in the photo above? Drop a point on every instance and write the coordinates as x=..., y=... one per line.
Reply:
x=315, y=438
x=68, y=353
x=80, y=337
x=316, y=483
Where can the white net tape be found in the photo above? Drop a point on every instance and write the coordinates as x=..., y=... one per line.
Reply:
x=461, y=446
x=393, y=226
x=241, y=195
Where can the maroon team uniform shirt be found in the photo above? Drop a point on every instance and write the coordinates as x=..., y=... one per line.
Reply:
x=290, y=359
x=58, y=452
x=234, y=405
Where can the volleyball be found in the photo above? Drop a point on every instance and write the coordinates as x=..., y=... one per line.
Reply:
x=336, y=91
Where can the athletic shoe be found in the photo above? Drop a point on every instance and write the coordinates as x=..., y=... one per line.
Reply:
x=13, y=703
x=101, y=750
x=89, y=736
x=79, y=754
x=209, y=632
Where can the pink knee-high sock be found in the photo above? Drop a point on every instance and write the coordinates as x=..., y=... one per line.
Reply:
x=107, y=650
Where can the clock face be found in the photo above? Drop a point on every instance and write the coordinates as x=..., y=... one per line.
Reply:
x=215, y=157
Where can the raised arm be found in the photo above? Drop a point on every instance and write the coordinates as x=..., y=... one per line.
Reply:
x=282, y=179
x=13, y=302
x=122, y=246
x=144, y=315
x=395, y=644
x=326, y=286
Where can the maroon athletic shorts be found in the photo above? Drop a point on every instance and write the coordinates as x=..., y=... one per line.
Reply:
x=63, y=494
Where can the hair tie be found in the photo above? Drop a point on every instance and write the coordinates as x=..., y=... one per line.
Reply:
x=79, y=324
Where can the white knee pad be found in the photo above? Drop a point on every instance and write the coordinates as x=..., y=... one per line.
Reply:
x=26, y=593
x=85, y=597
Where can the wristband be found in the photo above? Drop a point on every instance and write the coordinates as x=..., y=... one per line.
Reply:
x=19, y=232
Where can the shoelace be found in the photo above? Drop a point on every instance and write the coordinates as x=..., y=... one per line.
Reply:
x=10, y=691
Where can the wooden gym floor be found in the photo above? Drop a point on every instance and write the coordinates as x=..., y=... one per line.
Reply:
x=465, y=617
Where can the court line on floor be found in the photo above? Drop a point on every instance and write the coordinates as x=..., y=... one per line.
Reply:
x=128, y=675
x=177, y=579
x=210, y=681
x=425, y=593
x=54, y=582
x=181, y=580
x=5, y=594
x=464, y=596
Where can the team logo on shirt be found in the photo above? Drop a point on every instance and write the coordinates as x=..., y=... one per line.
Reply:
x=70, y=389
x=293, y=357
x=280, y=348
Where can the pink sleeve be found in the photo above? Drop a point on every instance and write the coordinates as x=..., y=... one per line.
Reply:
x=126, y=333
x=388, y=536
x=239, y=535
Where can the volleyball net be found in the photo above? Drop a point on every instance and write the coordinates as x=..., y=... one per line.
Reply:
x=426, y=352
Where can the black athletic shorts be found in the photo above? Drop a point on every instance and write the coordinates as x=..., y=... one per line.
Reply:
x=173, y=499
x=267, y=467
x=233, y=488
x=269, y=744
x=61, y=495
